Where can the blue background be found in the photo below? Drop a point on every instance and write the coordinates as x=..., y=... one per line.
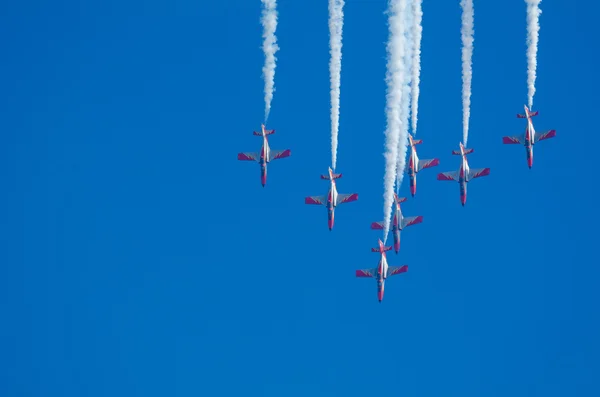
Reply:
x=140, y=258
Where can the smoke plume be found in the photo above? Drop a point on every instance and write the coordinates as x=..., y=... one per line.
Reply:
x=270, y=47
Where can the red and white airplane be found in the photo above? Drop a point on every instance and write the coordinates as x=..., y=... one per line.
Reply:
x=266, y=155
x=530, y=137
x=399, y=222
x=382, y=271
x=464, y=174
x=333, y=199
x=415, y=165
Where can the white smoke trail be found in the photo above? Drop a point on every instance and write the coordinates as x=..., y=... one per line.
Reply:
x=336, y=23
x=395, y=80
x=406, y=97
x=270, y=47
x=467, y=56
x=416, y=61
x=533, y=29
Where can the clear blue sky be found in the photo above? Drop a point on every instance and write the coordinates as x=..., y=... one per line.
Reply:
x=140, y=258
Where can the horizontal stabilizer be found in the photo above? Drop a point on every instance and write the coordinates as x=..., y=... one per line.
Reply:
x=384, y=248
x=267, y=132
x=417, y=141
x=524, y=116
x=335, y=176
x=457, y=152
x=399, y=199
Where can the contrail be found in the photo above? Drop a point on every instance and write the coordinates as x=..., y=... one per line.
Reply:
x=395, y=80
x=416, y=61
x=336, y=23
x=270, y=47
x=533, y=30
x=406, y=96
x=467, y=56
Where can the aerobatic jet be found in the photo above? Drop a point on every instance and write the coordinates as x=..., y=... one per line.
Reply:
x=530, y=137
x=266, y=155
x=399, y=222
x=382, y=271
x=333, y=198
x=415, y=165
x=464, y=174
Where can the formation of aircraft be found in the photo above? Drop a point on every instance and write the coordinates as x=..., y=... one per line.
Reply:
x=399, y=222
x=382, y=271
x=463, y=176
x=530, y=137
x=266, y=155
x=333, y=198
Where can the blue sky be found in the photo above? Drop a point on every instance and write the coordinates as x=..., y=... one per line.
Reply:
x=140, y=258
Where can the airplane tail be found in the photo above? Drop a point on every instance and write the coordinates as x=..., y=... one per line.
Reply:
x=384, y=248
x=524, y=116
x=417, y=141
x=457, y=152
x=267, y=132
x=335, y=176
x=399, y=199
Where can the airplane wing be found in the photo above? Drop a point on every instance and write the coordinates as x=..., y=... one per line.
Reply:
x=411, y=220
x=507, y=140
x=279, y=154
x=477, y=172
x=427, y=163
x=393, y=270
x=377, y=225
x=366, y=272
x=249, y=156
x=540, y=136
x=346, y=198
x=448, y=176
x=317, y=200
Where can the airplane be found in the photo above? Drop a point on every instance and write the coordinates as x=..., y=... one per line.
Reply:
x=399, y=222
x=530, y=137
x=266, y=155
x=464, y=174
x=415, y=165
x=382, y=271
x=333, y=198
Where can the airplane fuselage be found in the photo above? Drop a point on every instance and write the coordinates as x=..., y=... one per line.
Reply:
x=263, y=160
x=529, y=141
x=462, y=179
x=381, y=275
x=331, y=202
x=413, y=163
x=397, y=227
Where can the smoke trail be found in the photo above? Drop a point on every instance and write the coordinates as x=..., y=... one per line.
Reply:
x=466, y=32
x=270, y=47
x=533, y=29
x=394, y=79
x=406, y=97
x=336, y=23
x=416, y=61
